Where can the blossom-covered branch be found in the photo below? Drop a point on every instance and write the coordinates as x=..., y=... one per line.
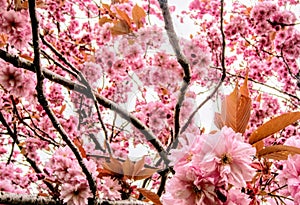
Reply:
x=16, y=140
x=182, y=61
x=16, y=199
x=44, y=102
x=16, y=61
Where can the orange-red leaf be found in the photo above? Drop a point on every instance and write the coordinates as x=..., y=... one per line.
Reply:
x=143, y=174
x=80, y=148
x=113, y=166
x=63, y=107
x=150, y=195
x=3, y=40
x=27, y=57
x=23, y=4
x=138, y=14
x=107, y=7
x=120, y=28
x=118, y=1
x=124, y=16
x=259, y=145
x=244, y=88
x=43, y=194
x=138, y=166
x=104, y=173
x=104, y=20
x=272, y=35
x=20, y=4
x=128, y=167
x=274, y=125
x=236, y=108
x=278, y=152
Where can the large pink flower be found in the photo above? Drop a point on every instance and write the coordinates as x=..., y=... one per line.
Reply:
x=290, y=175
x=225, y=152
x=190, y=186
x=76, y=193
x=10, y=77
x=189, y=144
x=13, y=21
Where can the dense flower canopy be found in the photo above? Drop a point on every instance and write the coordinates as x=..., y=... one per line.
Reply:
x=179, y=102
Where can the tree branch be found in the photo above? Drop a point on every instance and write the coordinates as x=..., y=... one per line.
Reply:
x=182, y=61
x=17, y=199
x=44, y=102
x=17, y=62
x=16, y=140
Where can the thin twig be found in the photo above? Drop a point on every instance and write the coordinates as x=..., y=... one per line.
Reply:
x=264, y=84
x=222, y=77
x=50, y=141
x=83, y=80
x=16, y=140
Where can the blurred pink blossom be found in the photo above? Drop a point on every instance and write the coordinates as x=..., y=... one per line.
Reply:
x=75, y=193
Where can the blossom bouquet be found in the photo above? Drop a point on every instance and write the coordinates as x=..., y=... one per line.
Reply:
x=149, y=102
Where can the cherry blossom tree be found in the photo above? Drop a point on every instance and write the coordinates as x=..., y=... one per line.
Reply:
x=102, y=102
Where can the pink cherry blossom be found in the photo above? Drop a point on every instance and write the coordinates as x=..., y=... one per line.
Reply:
x=11, y=77
x=236, y=197
x=184, y=149
x=190, y=186
x=92, y=72
x=290, y=175
x=110, y=188
x=227, y=153
x=75, y=193
x=12, y=21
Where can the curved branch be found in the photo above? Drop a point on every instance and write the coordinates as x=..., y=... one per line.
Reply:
x=182, y=61
x=17, y=62
x=44, y=102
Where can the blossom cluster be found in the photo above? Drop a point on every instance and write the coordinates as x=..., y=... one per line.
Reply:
x=128, y=62
x=211, y=169
x=14, y=25
x=63, y=169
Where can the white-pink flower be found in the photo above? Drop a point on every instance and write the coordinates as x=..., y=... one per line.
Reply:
x=190, y=186
x=75, y=193
x=290, y=175
x=110, y=188
x=236, y=197
x=225, y=152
